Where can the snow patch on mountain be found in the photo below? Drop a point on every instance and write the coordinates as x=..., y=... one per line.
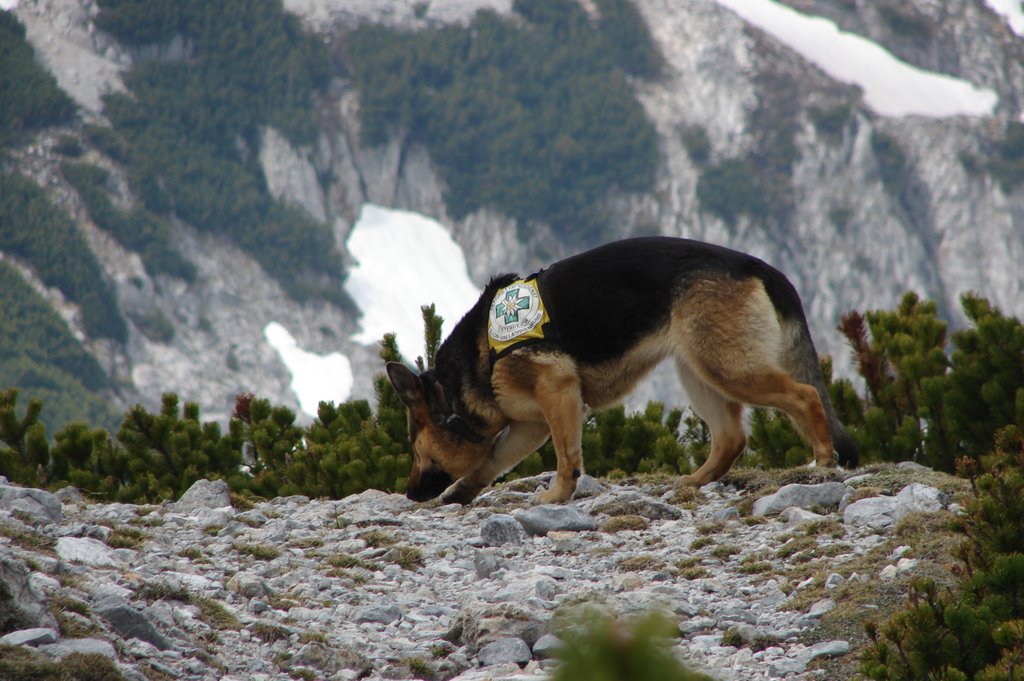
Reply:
x=891, y=86
x=404, y=261
x=315, y=378
x=1010, y=10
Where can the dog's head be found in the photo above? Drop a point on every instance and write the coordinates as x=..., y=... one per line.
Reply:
x=445, y=446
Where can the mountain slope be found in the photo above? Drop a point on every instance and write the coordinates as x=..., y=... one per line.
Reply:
x=759, y=148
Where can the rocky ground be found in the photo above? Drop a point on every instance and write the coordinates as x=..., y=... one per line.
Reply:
x=767, y=580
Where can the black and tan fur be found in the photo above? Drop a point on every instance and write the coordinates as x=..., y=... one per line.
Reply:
x=733, y=324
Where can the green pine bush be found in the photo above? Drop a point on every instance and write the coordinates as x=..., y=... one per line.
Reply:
x=138, y=230
x=188, y=131
x=930, y=396
x=598, y=647
x=973, y=629
x=30, y=98
x=48, y=240
x=532, y=115
x=920, y=402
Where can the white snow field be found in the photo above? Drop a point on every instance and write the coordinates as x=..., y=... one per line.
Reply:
x=405, y=260
x=891, y=87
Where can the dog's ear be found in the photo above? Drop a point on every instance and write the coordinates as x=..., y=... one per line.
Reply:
x=406, y=383
x=437, y=400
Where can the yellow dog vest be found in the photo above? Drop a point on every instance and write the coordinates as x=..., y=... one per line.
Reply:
x=517, y=316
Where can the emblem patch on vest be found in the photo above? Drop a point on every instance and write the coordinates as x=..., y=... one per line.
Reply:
x=517, y=315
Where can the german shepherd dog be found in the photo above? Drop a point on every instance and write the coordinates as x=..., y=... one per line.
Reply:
x=516, y=371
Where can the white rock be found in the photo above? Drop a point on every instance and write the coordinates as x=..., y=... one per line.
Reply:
x=874, y=512
x=820, y=608
x=795, y=516
x=86, y=551
x=918, y=498
x=801, y=496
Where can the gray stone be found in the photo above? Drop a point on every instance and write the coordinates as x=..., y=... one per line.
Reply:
x=918, y=498
x=724, y=514
x=29, y=637
x=252, y=517
x=250, y=586
x=795, y=516
x=786, y=666
x=801, y=496
x=203, y=494
x=636, y=503
x=129, y=622
x=500, y=529
x=36, y=506
x=379, y=614
x=540, y=520
x=820, y=608
x=21, y=605
x=487, y=562
x=834, y=581
x=874, y=512
x=70, y=495
x=713, y=488
x=913, y=466
x=87, y=551
x=587, y=486
x=823, y=649
x=212, y=517
x=331, y=659
x=547, y=646
x=480, y=626
x=546, y=589
x=503, y=651
x=85, y=646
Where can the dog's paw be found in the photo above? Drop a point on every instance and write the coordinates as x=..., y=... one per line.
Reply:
x=551, y=496
x=459, y=493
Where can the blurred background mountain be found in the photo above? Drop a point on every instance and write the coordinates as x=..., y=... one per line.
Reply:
x=188, y=190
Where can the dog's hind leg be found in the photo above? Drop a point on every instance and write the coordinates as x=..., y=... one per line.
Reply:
x=724, y=418
x=516, y=443
x=733, y=339
x=766, y=386
x=799, y=401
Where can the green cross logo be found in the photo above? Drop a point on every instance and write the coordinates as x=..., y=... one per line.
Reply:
x=510, y=307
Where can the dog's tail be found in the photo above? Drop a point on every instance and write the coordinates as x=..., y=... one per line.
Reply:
x=801, y=361
x=800, y=358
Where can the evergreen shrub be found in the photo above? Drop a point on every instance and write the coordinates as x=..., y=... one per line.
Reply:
x=137, y=230
x=931, y=396
x=534, y=117
x=45, y=237
x=40, y=357
x=30, y=98
x=920, y=403
x=973, y=629
x=189, y=131
x=598, y=647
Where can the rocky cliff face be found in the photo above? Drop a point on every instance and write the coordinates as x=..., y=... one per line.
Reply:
x=847, y=238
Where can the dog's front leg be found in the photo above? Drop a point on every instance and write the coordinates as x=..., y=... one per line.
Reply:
x=558, y=394
x=514, y=444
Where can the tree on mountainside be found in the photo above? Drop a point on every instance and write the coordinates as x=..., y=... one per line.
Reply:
x=535, y=118
x=189, y=131
x=30, y=98
x=48, y=240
